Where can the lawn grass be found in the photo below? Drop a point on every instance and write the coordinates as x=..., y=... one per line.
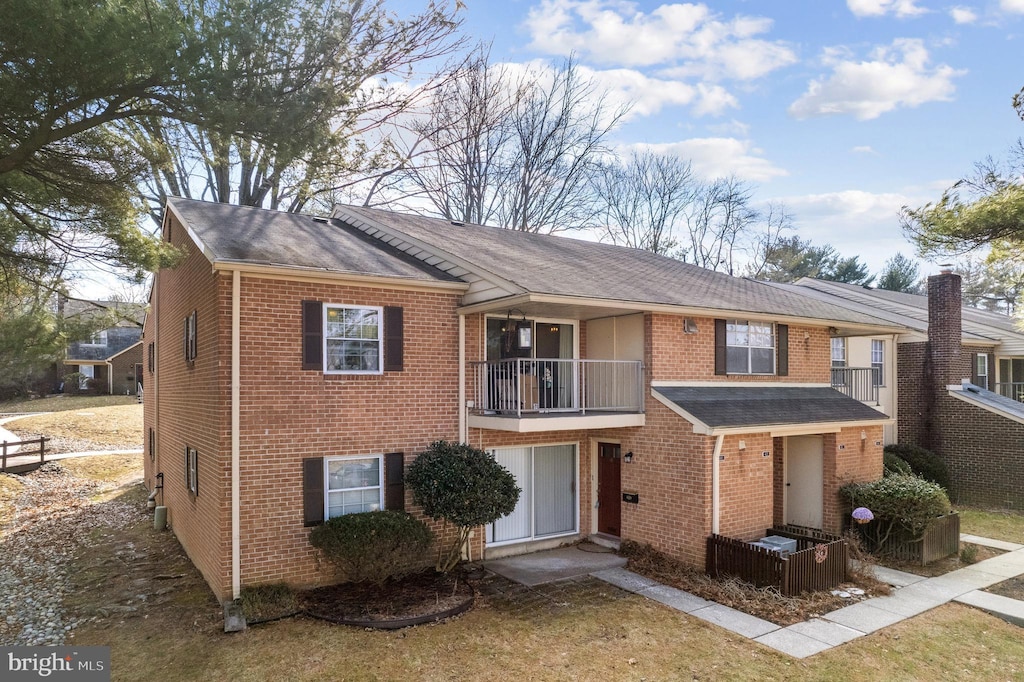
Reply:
x=114, y=469
x=63, y=403
x=116, y=426
x=997, y=524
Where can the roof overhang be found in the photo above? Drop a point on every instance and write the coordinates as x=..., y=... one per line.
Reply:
x=815, y=418
x=612, y=307
x=296, y=273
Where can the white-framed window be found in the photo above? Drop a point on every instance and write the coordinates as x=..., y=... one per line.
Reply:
x=192, y=470
x=750, y=347
x=353, y=339
x=353, y=485
x=97, y=339
x=981, y=369
x=878, y=361
x=838, y=351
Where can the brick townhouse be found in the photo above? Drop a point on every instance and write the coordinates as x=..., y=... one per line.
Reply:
x=297, y=364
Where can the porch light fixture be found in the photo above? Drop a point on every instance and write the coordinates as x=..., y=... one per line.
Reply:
x=863, y=434
x=519, y=334
x=689, y=325
x=628, y=456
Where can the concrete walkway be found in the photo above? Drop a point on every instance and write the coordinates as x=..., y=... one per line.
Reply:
x=912, y=595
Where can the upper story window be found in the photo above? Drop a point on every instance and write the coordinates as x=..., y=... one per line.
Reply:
x=353, y=342
x=191, y=337
x=353, y=485
x=97, y=339
x=750, y=347
x=878, y=361
x=981, y=370
x=838, y=352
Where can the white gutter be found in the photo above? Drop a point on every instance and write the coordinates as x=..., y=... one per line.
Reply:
x=715, y=506
x=236, y=373
x=463, y=427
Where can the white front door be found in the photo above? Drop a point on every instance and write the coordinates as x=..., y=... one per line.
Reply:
x=804, y=478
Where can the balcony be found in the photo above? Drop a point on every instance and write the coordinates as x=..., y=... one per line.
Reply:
x=859, y=383
x=1013, y=390
x=530, y=395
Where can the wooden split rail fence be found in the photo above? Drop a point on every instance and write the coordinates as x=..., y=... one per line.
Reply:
x=6, y=446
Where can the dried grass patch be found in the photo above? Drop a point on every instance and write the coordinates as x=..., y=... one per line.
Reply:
x=764, y=602
x=99, y=428
x=10, y=488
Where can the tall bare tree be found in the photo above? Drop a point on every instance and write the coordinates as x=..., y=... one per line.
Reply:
x=642, y=200
x=516, y=150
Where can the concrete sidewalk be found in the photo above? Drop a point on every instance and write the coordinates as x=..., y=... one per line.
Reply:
x=912, y=594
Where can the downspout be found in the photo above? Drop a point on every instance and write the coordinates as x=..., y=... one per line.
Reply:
x=236, y=562
x=715, y=505
x=110, y=377
x=463, y=427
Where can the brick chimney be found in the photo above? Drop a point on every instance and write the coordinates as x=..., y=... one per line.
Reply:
x=944, y=346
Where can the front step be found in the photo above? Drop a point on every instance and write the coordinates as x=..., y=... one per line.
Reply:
x=605, y=540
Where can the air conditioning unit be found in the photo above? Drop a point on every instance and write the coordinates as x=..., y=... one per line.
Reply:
x=783, y=545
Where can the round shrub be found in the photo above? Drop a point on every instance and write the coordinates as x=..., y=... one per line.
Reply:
x=462, y=486
x=923, y=462
x=894, y=464
x=372, y=546
x=901, y=503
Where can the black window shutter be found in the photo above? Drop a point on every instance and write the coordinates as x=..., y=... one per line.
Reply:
x=974, y=368
x=394, y=339
x=720, y=349
x=394, y=478
x=312, y=336
x=782, y=338
x=991, y=378
x=313, y=491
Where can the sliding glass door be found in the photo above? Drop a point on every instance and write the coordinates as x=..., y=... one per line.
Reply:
x=549, y=502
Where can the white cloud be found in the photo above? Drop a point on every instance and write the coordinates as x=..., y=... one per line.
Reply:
x=863, y=149
x=1015, y=6
x=878, y=8
x=687, y=38
x=715, y=157
x=963, y=15
x=855, y=222
x=895, y=76
x=732, y=128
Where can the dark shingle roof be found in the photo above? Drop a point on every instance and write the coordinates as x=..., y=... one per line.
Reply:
x=741, y=406
x=546, y=264
x=245, y=234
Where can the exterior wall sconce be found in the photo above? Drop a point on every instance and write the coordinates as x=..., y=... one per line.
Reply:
x=628, y=457
x=863, y=435
x=689, y=325
x=742, y=445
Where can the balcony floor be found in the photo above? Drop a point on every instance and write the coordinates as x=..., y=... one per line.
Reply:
x=534, y=422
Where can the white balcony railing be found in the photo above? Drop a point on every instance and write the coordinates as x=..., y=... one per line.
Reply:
x=1014, y=389
x=528, y=386
x=860, y=383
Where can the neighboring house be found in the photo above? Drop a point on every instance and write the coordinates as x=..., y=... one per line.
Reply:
x=297, y=364
x=958, y=382
x=111, y=357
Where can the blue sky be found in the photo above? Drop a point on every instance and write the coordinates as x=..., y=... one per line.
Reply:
x=844, y=110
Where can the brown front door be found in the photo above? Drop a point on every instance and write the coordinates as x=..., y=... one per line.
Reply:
x=609, y=489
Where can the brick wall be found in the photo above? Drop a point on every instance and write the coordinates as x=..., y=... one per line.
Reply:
x=123, y=371
x=192, y=407
x=675, y=356
x=848, y=458
x=288, y=414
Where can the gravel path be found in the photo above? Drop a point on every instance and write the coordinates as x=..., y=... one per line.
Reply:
x=53, y=518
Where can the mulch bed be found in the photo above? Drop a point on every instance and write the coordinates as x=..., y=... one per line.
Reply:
x=418, y=598
x=764, y=602
x=1012, y=588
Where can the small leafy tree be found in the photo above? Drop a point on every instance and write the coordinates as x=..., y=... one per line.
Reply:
x=372, y=546
x=461, y=486
x=902, y=504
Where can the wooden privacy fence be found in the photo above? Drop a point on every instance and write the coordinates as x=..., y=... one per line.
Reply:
x=5, y=447
x=940, y=540
x=818, y=563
